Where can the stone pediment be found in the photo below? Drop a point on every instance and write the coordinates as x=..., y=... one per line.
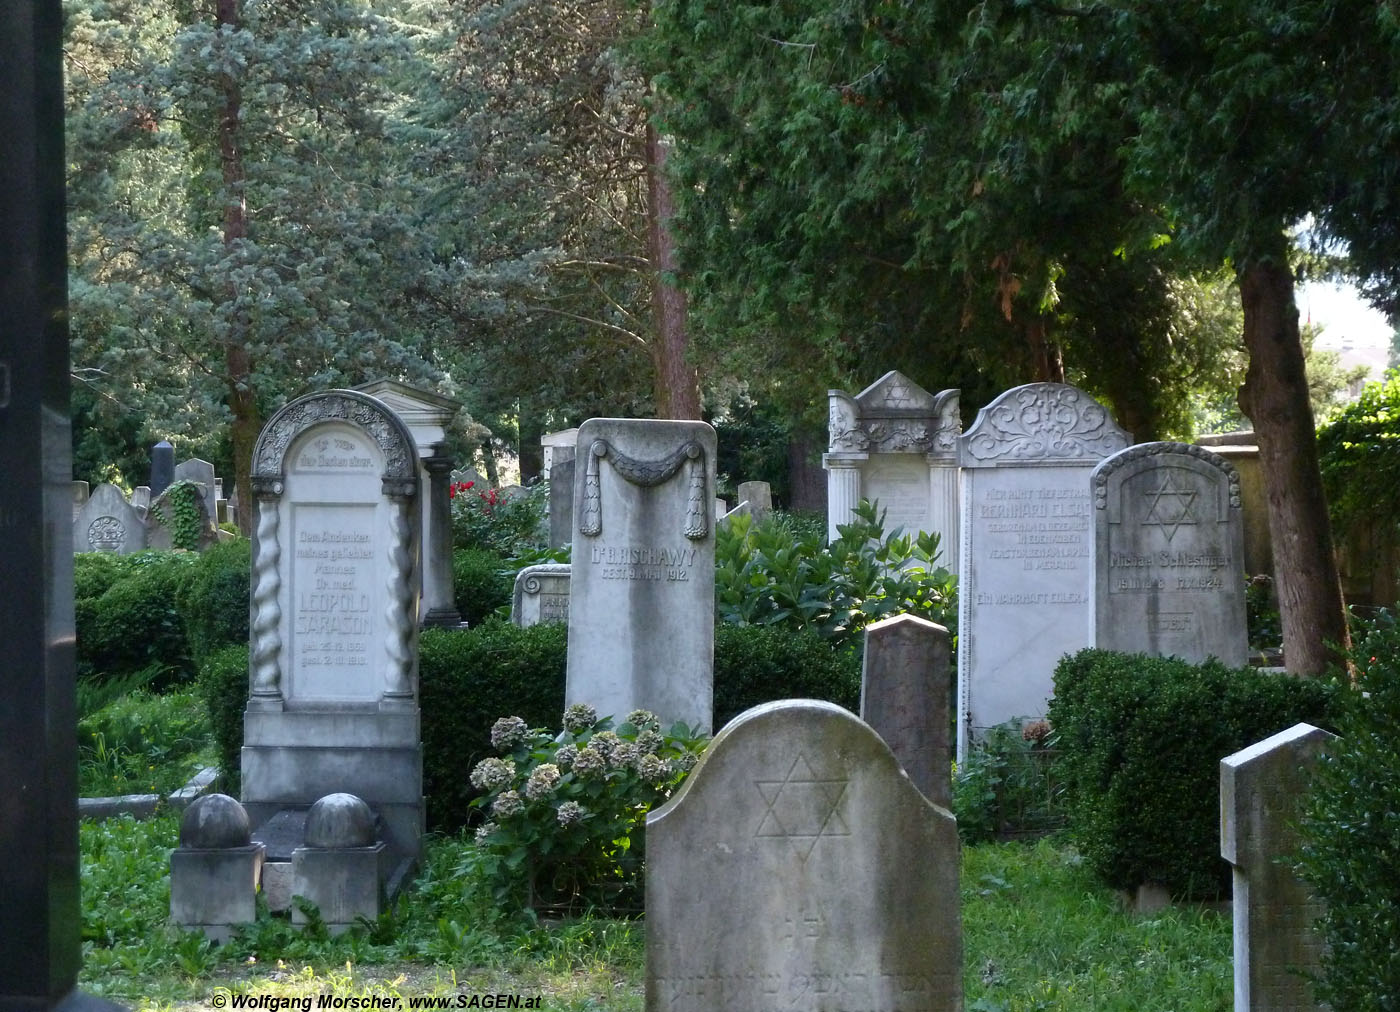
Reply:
x=1042, y=422
x=894, y=415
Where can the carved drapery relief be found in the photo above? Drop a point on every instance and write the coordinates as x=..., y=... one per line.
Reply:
x=647, y=474
x=1042, y=421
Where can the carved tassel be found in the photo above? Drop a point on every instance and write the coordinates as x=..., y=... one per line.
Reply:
x=697, y=517
x=591, y=518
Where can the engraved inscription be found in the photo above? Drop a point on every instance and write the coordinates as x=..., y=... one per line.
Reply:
x=1169, y=622
x=1043, y=528
x=334, y=453
x=333, y=614
x=854, y=990
x=802, y=808
x=554, y=607
x=670, y=565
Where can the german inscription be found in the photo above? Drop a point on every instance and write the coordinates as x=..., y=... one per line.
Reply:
x=333, y=619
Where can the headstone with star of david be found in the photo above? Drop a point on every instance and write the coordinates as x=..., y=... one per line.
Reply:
x=1169, y=554
x=799, y=868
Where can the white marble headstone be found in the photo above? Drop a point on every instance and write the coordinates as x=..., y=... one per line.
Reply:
x=641, y=597
x=1026, y=582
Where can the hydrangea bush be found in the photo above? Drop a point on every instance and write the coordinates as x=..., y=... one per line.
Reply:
x=565, y=813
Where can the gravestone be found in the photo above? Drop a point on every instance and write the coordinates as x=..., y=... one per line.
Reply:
x=333, y=706
x=798, y=868
x=201, y=472
x=554, y=447
x=160, y=519
x=141, y=498
x=1026, y=580
x=427, y=415
x=1260, y=790
x=759, y=496
x=108, y=523
x=1242, y=450
x=80, y=496
x=162, y=467
x=641, y=594
x=905, y=685
x=896, y=443
x=1168, y=543
x=541, y=595
x=40, y=918
x=561, y=500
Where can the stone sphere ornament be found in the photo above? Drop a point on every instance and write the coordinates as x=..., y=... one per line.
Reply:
x=215, y=822
x=340, y=821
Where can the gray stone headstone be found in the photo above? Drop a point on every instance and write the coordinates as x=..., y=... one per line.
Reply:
x=162, y=467
x=1026, y=582
x=108, y=523
x=554, y=447
x=641, y=597
x=158, y=530
x=905, y=684
x=80, y=496
x=1275, y=945
x=541, y=595
x=141, y=498
x=1168, y=554
x=561, y=501
x=759, y=496
x=333, y=705
x=895, y=443
x=40, y=918
x=201, y=472
x=799, y=868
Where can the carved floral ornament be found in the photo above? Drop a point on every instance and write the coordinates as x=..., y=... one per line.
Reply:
x=647, y=474
x=892, y=429
x=1042, y=421
x=1142, y=451
x=366, y=413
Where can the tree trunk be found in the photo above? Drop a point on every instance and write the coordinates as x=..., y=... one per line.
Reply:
x=531, y=453
x=1275, y=397
x=1047, y=358
x=676, y=385
x=238, y=366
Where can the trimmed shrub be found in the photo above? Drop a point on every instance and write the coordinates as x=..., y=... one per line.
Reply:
x=136, y=623
x=1351, y=832
x=94, y=573
x=223, y=684
x=1140, y=741
x=469, y=678
x=214, y=600
x=757, y=664
x=482, y=583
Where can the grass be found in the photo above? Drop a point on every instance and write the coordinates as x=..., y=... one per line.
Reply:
x=1038, y=934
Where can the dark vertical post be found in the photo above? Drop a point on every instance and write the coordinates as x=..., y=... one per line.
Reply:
x=39, y=928
x=162, y=467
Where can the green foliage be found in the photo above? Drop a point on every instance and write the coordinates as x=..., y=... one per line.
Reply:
x=1140, y=741
x=487, y=519
x=1359, y=452
x=1351, y=831
x=178, y=510
x=1009, y=785
x=223, y=685
x=466, y=679
x=567, y=811
x=142, y=744
x=131, y=859
x=1261, y=613
x=752, y=440
x=482, y=583
x=768, y=574
x=214, y=601
x=758, y=664
x=136, y=624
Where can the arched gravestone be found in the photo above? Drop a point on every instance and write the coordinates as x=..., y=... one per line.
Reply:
x=1168, y=554
x=108, y=523
x=1025, y=579
x=798, y=867
x=333, y=701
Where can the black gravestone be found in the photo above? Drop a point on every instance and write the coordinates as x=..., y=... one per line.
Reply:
x=162, y=467
x=39, y=914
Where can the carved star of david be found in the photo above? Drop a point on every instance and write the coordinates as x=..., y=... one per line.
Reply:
x=802, y=808
x=898, y=395
x=1170, y=508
